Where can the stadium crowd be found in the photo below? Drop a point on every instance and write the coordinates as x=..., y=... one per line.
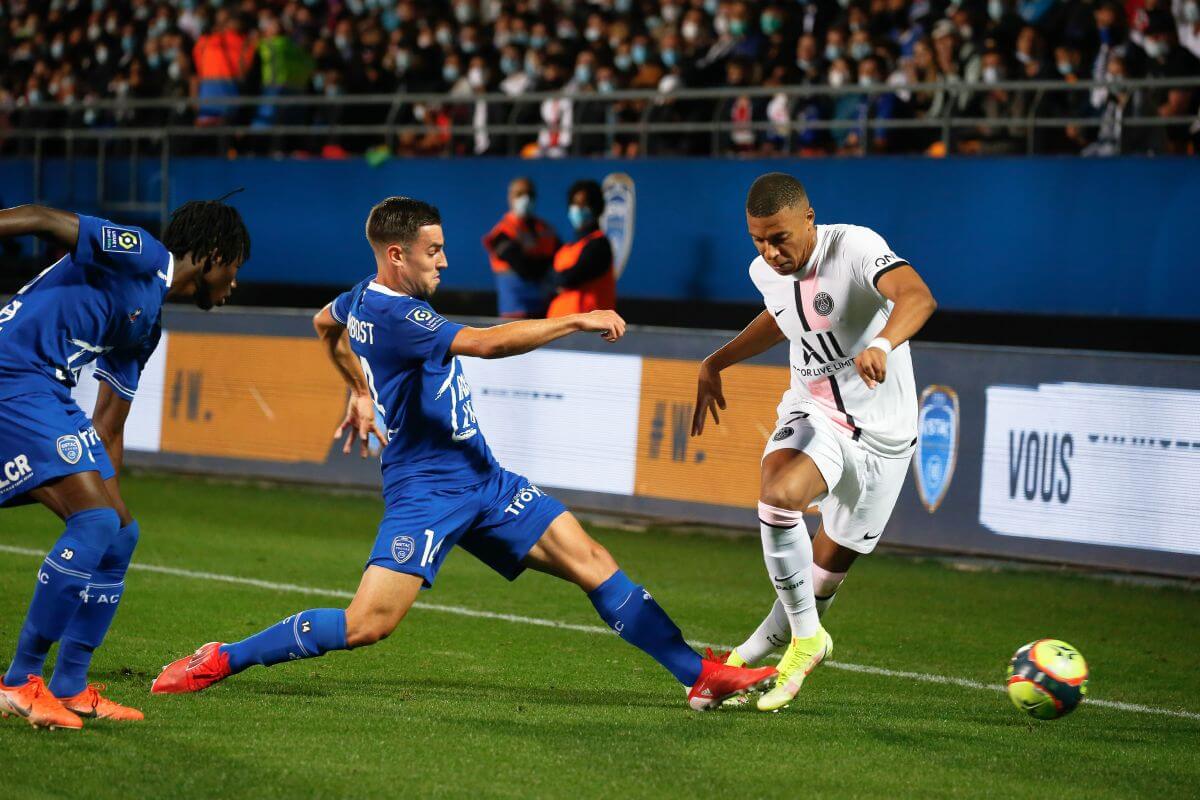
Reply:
x=73, y=51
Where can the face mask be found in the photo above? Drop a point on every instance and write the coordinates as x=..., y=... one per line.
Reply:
x=966, y=32
x=101, y=56
x=501, y=41
x=638, y=51
x=532, y=66
x=737, y=27
x=623, y=62
x=866, y=80
x=93, y=32
x=579, y=216
x=476, y=77
x=341, y=42
x=991, y=74
x=604, y=87
x=403, y=61
x=391, y=21
x=173, y=71
x=463, y=13
x=126, y=43
x=56, y=50
x=583, y=73
x=837, y=79
x=34, y=96
x=804, y=64
x=1064, y=68
x=508, y=65
x=721, y=25
x=690, y=30
x=567, y=31
x=770, y=23
x=449, y=73
x=1191, y=13
x=319, y=82
x=711, y=6
x=520, y=38
x=1156, y=48
x=444, y=36
x=622, y=6
x=522, y=205
x=670, y=58
x=419, y=113
x=593, y=34
x=537, y=42
x=654, y=24
x=832, y=52
x=860, y=50
x=1111, y=77
x=469, y=47
x=153, y=61
x=995, y=10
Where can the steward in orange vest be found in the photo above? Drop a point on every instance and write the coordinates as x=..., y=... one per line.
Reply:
x=521, y=250
x=583, y=269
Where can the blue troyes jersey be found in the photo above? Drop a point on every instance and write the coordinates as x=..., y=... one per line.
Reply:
x=403, y=345
x=102, y=302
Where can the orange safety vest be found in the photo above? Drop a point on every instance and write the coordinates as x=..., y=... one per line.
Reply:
x=595, y=294
x=512, y=226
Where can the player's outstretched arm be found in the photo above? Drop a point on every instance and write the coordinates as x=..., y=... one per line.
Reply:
x=514, y=338
x=47, y=223
x=913, y=306
x=359, y=421
x=759, y=336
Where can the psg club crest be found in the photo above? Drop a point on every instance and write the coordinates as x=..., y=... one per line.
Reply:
x=937, y=444
x=617, y=219
x=70, y=449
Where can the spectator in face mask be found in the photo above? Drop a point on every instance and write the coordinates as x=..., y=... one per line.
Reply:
x=583, y=269
x=1000, y=105
x=1187, y=15
x=521, y=249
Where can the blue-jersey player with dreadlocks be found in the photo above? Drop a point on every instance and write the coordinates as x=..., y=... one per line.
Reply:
x=102, y=303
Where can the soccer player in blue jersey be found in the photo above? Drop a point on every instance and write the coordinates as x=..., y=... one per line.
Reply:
x=442, y=487
x=101, y=302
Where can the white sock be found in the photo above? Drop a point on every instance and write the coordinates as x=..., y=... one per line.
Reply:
x=787, y=551
x=773, y=633
x=825, y=586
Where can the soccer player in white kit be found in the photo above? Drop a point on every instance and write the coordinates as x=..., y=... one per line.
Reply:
x=846, y=426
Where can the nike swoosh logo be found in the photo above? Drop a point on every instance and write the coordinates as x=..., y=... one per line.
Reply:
x=789, y=577
x=869, y=536
x=780, y=311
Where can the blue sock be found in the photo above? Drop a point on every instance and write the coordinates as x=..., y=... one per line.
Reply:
x=62, y=579
x=86, y=630
x=632, y=613
x=305, y=635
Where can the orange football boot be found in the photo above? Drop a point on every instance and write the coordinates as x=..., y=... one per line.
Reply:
x=33, y=701
x=89, y=703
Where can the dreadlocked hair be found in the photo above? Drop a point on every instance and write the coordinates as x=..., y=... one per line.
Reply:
x=208, y=229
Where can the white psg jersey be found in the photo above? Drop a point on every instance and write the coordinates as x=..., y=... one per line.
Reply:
x=830, y=309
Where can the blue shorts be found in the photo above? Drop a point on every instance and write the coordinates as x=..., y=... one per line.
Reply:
x=44, y=436
x=497, y=521
x=516, y=296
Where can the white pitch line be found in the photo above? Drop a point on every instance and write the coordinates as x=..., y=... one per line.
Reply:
x=923, y=677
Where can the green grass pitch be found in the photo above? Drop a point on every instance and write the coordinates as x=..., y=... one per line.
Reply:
x=455, y=705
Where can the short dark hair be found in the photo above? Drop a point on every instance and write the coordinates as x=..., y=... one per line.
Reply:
x=773, y=192
x=206, y=230
x=396, y=220
x=593, y=193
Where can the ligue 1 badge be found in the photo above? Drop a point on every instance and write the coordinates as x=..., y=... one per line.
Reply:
x=617, y=220
x=937, y=444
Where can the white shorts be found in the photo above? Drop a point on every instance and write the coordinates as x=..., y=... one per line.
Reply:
x=863, y=485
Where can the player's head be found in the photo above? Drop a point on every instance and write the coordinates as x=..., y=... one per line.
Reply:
x=406, y=235
x=521, y=196
x=213, y=237
x=585, y=204
x=781, y=221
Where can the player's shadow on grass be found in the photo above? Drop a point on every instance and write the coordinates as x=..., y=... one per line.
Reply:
x=566, y=696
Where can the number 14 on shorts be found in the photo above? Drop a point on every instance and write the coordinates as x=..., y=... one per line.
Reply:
x=404, y=546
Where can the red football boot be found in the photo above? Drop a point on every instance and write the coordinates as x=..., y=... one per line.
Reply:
x=192, y=673
x=718, y=682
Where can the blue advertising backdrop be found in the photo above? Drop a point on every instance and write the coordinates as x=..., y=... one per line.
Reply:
x=1039, y=235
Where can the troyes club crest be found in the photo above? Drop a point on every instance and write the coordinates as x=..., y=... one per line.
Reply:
x=937, y=444
x=617, y=219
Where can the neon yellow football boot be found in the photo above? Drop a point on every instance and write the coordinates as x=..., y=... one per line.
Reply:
x=801, y=658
